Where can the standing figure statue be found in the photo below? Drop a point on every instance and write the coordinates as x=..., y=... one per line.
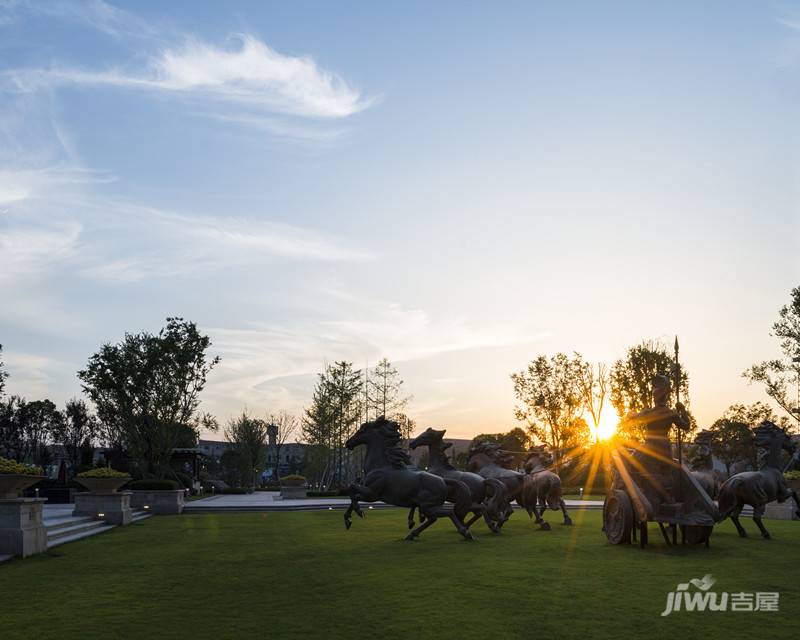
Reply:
x=388, y=477
x=655, y=453
x=757, y=488
x=488, y=494
x=544, y=488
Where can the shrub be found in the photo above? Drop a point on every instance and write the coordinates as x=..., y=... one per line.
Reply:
x=10, y=467
x=293, y=481
x=792, y=475
x=235, y=490
x=153, y=485
x=324, y=494
x=184, y=479
x=103, y=472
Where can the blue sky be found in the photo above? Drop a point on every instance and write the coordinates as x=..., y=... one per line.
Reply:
x=456, y=186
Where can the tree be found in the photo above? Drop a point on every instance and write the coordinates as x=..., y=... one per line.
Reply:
x=334, y=413
x=80, y=428
x=407, y=425
x=384, y=391
x=12, y=437
x=26, y=428
x=280, y=428
x=780, y=375
x=551, y=402
x=732, y=434
x=516, y=441
x=631, y=382
x=145, y=387
x=248, y=438
x=593, y=385
x=3, y=373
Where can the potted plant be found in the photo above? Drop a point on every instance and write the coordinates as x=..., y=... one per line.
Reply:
x=15, y=477
x=293, y=486
x=103, y=480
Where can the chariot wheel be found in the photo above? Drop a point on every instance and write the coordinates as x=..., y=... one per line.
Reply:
x=618, y=517
x=697, y=534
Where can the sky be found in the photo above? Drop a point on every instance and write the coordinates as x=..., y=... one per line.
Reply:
x=458, y=187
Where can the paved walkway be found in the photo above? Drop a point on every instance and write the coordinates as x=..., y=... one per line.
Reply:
x=266, y=501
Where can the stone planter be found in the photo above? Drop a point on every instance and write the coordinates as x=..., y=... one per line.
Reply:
x=163, y=502
x=794, y=485
x=781, y=510
x=292, y=493
x=103, y=485
x=112, y=506
x=22, y=530
x=12, y=485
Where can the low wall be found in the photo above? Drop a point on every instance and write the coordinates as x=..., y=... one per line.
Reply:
x=165, y=503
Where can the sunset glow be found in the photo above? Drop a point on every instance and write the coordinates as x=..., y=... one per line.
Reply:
x=607, y=426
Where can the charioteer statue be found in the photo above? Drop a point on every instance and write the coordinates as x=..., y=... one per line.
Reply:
x=655, y=453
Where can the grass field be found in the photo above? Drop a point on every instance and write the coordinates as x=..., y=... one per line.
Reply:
x=301, y=575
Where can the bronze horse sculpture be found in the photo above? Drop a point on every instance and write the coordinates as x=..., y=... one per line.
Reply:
x=702, y=465
x=488, y=460
x=757, y=488
x=488, y=494
x=388, y=477
x=544, y=488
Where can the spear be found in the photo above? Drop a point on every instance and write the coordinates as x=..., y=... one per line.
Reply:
x=677, y=375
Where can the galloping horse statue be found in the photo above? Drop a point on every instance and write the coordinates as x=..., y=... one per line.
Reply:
x=544, y=488
x=388, y=477
x=702, y=465
x=488, y=460
x=757, y=488
x=488, y=494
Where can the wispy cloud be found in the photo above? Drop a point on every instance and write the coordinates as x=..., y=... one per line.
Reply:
x=252, y=74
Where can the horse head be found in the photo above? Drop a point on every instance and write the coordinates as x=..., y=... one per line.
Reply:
x=538, y=456
x=767, y=434
x=429, y=437
x=379, y=430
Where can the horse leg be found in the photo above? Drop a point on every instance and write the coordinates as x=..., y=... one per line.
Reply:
x=544, y=526
x=429, y=520
x=757, y=513
x=567, y=519
x=476, y=514
x=356, y=491
x=411, y=517
x=735, y=519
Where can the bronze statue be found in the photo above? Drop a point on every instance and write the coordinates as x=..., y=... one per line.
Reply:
x=488, y=494
x=544, y=488
x=649, y=485
x=757, y=488
x=388, y=477
x=702, y=465
x=488, y=460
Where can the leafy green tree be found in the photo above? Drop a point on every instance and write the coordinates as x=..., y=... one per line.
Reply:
x=146, y=387
x=516, y=441
x=732, y=434
x=80, y=429
x=781, y=376
x=248, y=438
x=551, y=403
x=334, y=413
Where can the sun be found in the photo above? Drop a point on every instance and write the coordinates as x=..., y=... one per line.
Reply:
x=608, y=423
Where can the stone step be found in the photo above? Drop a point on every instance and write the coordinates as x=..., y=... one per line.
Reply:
x=63, y=523
x=72, y=529
x=101, y=528
x=3, y=558
x=141, y=515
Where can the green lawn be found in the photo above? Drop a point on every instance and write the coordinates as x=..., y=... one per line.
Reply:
x=301, y=575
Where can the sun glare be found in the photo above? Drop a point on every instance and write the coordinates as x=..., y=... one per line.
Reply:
x=608, y=423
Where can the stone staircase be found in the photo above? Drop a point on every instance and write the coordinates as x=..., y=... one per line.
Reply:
x=72, y=528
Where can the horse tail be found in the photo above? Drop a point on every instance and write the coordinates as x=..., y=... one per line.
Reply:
x=496, y=498
x=459, y=494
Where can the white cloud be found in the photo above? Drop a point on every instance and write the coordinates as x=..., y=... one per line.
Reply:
x=252, y=74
